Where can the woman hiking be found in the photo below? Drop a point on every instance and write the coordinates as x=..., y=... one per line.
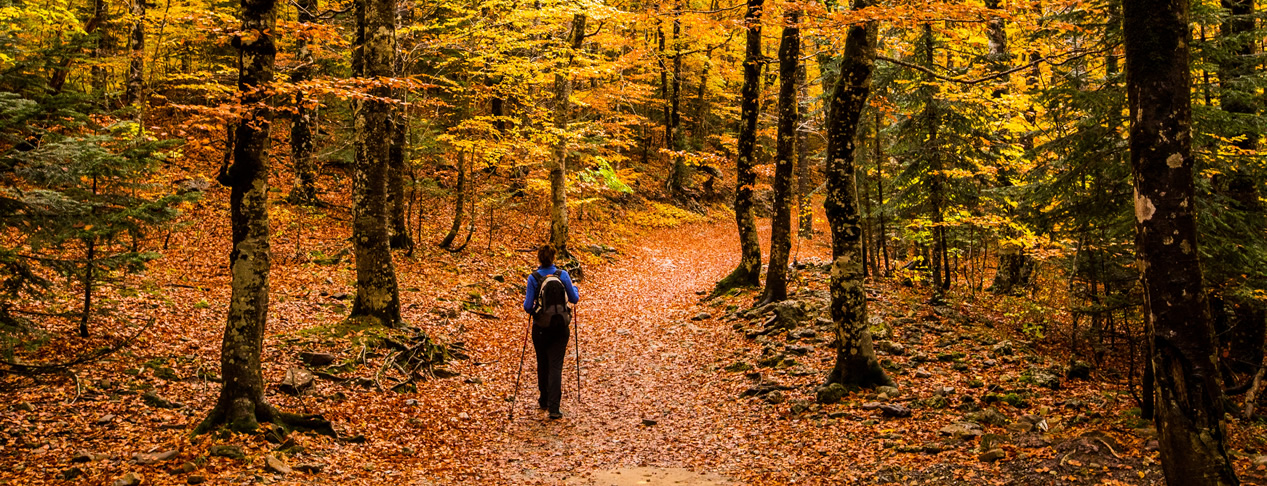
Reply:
x=548, y=300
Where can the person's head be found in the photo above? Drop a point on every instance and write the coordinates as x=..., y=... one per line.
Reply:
x=545, y=255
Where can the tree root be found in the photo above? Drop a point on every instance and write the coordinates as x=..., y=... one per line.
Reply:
x=870, y=375
x=244, y=416
x=741, y=277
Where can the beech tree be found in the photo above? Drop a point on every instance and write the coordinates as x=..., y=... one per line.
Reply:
x=748, y=273
x=855, y=357
x=562, y=115
x=377, y=295
x=1189, y=407
x=784, y=160
x=241, y=404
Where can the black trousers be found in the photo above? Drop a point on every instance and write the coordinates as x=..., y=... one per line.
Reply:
x=551, y=344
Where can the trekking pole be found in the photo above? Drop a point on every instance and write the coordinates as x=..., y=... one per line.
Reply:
x=576, y=330
x=510, y=415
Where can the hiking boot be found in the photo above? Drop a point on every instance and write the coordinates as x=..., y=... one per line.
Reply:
x=555, y=415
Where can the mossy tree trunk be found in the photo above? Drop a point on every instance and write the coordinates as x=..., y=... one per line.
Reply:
x=241, y=404
x=785, y=153
x=377, y=295
x=748, y=273
x=562, y=116
x=136, y=54
x=855, y=357
x=304, y=190
x=1189, y=406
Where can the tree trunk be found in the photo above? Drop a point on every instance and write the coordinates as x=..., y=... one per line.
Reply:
x=804, y=170
x=1189, y=407
x=241, y=404
x=883, y=237
x=748, y=273
x=855, y=358
x=136, y=55
x=377, y=295
x=936, y=177
x=459, y=204
x=301, y=146
x=680, y=176
x=558, y=164
x=785, y=148
x=399, y=171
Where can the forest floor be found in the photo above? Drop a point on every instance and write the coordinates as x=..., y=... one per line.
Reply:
x=675, y=390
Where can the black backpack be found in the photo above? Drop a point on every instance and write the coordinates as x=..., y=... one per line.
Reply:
x=551, y=307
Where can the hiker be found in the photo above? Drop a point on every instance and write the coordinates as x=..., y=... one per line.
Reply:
x=549, y=295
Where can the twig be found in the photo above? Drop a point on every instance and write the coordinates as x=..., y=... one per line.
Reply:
x=77, y=388
x=1252, y=395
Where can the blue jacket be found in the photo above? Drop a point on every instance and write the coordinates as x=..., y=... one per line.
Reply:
x=530, y=296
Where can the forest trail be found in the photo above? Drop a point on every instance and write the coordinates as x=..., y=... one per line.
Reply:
x=642, y=416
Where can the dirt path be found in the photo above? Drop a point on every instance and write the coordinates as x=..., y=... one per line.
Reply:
x=643, y=418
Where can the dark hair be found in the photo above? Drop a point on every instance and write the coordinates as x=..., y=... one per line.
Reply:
x=545, y=255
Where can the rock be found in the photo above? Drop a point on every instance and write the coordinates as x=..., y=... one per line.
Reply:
x=196, y=184
x=771, y=360
x=989, y=363
x=152, y=399
x=871, y=405
x=944, y=391
x=895, y=410
x=82, y=457
x=703, y=316
x=804, y=334
x=227, y=450
x=444, y=373
x=1153, y=446
x=195, y=479
x=105, y=419
x=1078, y=370
x=129, y=479
x=922, y=373
x=992, y=455
x=830, y=394
x=799, y=407
x=309, y=468
x=797, y=350
x=738, y=366
x=990, y=416
x=775, y=397
x=474, y=381
x=891, y=347
x=24, y=407
x=962, y=430
x=296, y=381
x=1002, y=349
x=649, y=422
x=890, y=391
x=312, y=358
x=340, y=296
x=1044, y=378
x=147, y=459
x=70, y=474
x=276, y=465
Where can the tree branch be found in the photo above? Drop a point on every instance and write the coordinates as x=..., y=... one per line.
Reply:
x=994, y=76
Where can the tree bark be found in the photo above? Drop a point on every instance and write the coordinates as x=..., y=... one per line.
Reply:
x=459, y=205
x=398, y=172
x=558, y=164
x=680, y=175
x=785, y=152
x=804, y=169
x=855, y=357
x=241, y=404
x=136, y=55
x=377, y=294
x=1189, y=407
x=304, y=190
x=936, y=176
x=748, y=273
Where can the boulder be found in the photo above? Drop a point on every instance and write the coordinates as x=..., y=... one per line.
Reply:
x=1078, y=370
x=703, y=316
x=82, y=457
x=962, y=430
x=1044, y=378
x=890, y=347
x=895, y=410
x=992, y=455
x=276, y=465
x=227, y=450
x=152, y=399
x=830, y=394
x=296, y=381
x=315, y=359
x=989, y=416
